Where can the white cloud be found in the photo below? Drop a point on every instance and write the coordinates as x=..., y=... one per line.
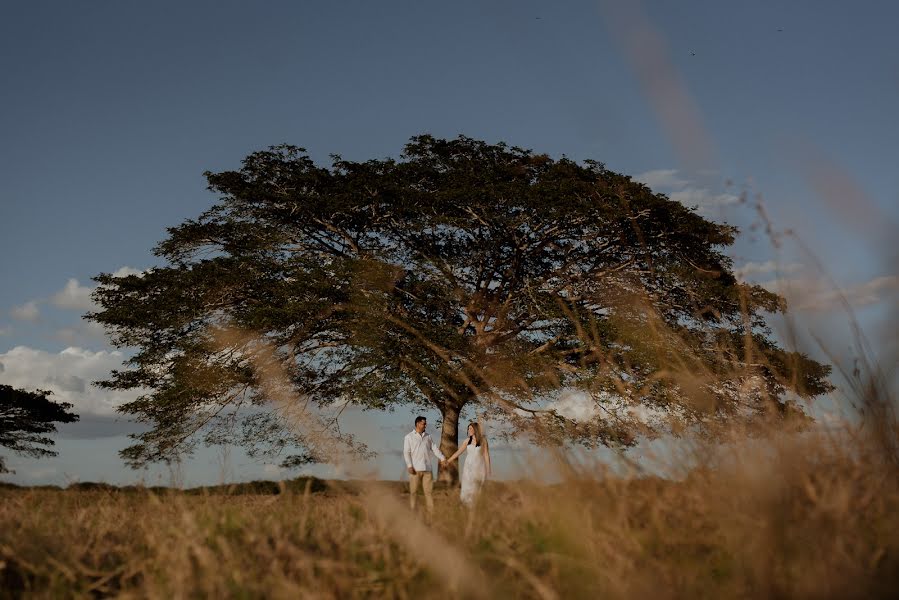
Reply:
x=68, y=374
x=74, y=296
x=868, y=293
x=575, y=405
x=679, y=189
x=125, y=271
x=763, y=268
x=580, y=406
x=703, y=199
x=78, y=297
x=26, y=312
x=661, y=179
x=873, y=291
x=815, y=295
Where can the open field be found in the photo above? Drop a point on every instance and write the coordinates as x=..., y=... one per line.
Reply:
x=809, y=519
x=661, y=228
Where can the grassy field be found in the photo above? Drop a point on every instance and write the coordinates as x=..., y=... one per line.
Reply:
x=808, y=518
x=789, y=515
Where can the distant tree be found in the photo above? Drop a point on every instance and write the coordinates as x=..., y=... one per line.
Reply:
x=26, y=418
x=465, y=275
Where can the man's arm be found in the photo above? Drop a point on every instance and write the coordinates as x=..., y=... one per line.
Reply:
x=407, y=453
x=436, y=450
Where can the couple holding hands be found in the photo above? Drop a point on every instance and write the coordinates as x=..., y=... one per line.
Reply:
x=417, y=449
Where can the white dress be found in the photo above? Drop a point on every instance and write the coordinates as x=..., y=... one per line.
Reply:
x=474, y=472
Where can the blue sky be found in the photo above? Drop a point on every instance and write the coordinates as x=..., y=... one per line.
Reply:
x=111, y=111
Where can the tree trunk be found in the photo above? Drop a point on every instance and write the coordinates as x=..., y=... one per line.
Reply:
x=449, y=443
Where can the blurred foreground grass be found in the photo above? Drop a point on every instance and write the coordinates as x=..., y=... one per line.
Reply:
x=812, y=517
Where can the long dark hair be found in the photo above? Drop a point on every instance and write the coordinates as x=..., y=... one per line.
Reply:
x=482, y=441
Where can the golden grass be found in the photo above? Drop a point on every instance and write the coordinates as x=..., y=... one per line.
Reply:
x=790, y=515
x=806, y=519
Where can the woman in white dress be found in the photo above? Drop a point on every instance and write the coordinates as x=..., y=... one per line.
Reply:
x=477, y=464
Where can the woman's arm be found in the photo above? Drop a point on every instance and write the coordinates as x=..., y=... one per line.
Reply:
x=458, y=452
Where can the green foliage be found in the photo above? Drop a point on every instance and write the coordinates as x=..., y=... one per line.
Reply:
x=462, y=274
x=25, y=420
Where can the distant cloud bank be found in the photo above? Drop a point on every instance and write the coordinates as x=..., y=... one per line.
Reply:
x=72, y=297
x=69, y=374
x=818, y=295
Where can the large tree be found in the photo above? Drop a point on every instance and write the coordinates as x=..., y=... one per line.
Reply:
x=25, y=420
x=462, y=276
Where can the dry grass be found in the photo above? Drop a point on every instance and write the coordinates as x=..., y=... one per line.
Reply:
x=808, y=519
x=788, y=515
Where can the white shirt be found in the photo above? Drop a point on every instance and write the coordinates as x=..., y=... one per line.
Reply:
x=416, y=450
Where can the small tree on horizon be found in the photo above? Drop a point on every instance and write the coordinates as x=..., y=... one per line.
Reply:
x=25, y=420
x=463, y=275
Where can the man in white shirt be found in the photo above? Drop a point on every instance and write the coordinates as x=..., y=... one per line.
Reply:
x=417, y=449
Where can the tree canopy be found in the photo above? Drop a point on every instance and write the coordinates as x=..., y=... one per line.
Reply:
x=25, y=420
x=463, y=275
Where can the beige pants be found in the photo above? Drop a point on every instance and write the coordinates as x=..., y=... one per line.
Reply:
x=425, y=481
